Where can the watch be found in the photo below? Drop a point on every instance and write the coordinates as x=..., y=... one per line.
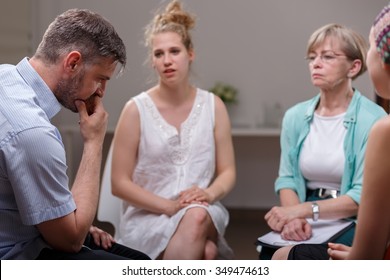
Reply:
x=316, y=211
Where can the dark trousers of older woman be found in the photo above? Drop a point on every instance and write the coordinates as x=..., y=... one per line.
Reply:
x=308, y=251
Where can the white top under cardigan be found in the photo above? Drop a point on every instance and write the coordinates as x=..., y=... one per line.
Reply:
x=322, y=158
x=169, y=162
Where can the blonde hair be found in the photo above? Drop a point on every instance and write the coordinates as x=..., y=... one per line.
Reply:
x=352, y=44
x=172, y=19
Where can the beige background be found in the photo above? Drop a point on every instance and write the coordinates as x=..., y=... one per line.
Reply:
x=257, y=46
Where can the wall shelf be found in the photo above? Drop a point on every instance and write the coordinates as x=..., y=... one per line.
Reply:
x=236, y=131
x=256, y=131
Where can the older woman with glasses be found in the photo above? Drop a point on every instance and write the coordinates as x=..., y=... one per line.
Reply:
x=374, y=209
x=323, y=140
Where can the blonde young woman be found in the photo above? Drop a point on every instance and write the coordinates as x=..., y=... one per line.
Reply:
x=324, y=139
x=173, y=156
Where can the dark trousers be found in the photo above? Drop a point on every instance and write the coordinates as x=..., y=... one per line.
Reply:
x=91, y=251
x=310, y=251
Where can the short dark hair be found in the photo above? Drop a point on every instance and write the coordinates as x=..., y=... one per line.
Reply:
x=85, y=31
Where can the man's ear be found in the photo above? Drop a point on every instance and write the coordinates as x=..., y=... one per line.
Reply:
x=72, y=61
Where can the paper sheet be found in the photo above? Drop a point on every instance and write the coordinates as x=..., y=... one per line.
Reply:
x=322, y=231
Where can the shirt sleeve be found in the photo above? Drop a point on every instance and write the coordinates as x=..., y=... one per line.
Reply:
x=36, y=168
x=286, y=169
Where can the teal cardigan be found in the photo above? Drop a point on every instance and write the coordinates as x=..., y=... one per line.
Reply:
x=362, y=113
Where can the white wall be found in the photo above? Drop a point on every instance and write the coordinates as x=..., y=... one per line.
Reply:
x=257, y=46
x=15, y=32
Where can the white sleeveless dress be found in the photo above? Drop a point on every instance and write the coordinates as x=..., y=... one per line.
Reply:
x=168, y=163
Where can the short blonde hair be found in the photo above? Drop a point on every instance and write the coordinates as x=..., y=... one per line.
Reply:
x=352, y=44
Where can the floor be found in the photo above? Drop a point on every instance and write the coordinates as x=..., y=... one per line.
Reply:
x=244, y=227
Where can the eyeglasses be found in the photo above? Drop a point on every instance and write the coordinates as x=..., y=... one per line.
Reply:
x=327, y=57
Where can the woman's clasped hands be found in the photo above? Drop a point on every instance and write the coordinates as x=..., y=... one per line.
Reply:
x=288, y=221
x=195, y=195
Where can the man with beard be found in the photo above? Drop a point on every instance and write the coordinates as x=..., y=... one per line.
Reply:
x=40, y=216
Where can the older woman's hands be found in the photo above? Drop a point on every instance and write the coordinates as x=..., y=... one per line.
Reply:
x=279, y=216
x=296, y=230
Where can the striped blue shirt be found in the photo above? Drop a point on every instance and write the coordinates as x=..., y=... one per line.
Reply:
x=33, y=182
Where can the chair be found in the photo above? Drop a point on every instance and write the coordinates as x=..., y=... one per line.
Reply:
x=109, y=205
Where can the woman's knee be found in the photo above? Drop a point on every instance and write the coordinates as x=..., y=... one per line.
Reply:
x=198, y=223
x=197, y=217
x=282, y=253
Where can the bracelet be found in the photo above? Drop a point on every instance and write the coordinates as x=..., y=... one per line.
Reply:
x=316, y=211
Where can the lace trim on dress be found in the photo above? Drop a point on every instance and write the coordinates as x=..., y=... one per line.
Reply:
x=179, y=144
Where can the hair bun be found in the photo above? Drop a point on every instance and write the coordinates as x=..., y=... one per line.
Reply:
x=172, y=19
x=175, y=14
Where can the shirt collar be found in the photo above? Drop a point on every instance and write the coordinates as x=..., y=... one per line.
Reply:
x=350, y=116
x=45, y=97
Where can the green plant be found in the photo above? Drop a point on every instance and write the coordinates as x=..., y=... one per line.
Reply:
x=227, y=93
